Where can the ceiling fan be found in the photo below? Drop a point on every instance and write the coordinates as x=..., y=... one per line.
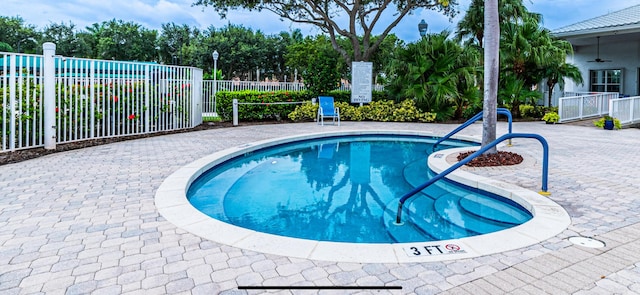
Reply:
x=598, y=59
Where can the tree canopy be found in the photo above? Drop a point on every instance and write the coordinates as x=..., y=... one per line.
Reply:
x=362, y=18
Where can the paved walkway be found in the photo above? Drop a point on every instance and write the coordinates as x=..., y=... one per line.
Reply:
x=84, y=222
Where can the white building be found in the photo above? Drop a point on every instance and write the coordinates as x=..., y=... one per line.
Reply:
x=607, y=51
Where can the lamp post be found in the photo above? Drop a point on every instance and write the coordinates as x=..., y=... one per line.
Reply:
x=215, y=82
x=158, y=53
x=25, y=39
x=422, y=28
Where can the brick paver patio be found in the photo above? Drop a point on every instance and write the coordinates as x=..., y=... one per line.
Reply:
x=84, y=222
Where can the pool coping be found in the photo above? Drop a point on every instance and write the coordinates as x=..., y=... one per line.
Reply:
x=549, y=218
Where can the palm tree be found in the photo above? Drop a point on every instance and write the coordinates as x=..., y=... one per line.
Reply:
x=514, y=91
x=436, y=71
x=471, y=26
x=556, y=73
x=491, y=69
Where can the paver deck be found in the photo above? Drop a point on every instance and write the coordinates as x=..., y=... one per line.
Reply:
x=84, y=222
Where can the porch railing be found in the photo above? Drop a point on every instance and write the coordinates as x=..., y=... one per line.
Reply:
x=584, y=105
x=627, y=110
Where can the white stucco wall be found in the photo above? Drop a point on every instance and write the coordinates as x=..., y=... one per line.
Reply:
x=624, y=55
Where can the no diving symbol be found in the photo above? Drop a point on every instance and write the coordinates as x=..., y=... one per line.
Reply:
x=452, y=247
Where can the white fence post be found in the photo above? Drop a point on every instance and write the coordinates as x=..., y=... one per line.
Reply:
x=92, y=97
x=631, y=107
x=147, y=96
x=12, y=102
x=235, y=112
x=196, y=97
x=49, y=72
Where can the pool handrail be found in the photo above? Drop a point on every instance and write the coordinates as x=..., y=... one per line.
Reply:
x=476, y=117
x=545, y=167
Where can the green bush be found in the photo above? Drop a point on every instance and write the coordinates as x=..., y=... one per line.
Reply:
x=383, y=111
x=349, y=112
x=527, y=110
x=534, y=111
x=267, y=110
x=551, y=117
x=600, y=122
x=305, y=112
x=264, y=107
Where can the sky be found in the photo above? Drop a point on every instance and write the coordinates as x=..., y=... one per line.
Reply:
x=152, y=13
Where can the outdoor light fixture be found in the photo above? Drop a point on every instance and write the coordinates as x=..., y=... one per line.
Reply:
x=25, y=39
x=422, y=28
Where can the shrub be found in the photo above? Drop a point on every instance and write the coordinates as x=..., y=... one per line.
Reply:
x=534, y=111
x=551, y=117
x=349, y=112
x=305, y=112
x=264, y=107
x=268, y=110
x=383, y=111
x=600, y=122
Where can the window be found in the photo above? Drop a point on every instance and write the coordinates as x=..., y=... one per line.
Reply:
x=605, y=80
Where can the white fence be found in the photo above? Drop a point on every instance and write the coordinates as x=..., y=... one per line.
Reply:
x=48, y=99
x=584, y=105
x=627, y=110
x=59, y=99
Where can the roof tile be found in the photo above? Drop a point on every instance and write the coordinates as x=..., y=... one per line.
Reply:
x=624, y=17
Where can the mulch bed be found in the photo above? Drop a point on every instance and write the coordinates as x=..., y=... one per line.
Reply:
x=488, y=160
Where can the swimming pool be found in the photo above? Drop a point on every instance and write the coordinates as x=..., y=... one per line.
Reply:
x=346, y=189
x=549, y=219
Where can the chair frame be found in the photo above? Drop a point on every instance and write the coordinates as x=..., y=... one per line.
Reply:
x=322, y=114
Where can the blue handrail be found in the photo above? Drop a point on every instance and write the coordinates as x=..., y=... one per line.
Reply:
x=545, y=167
x=478, y=116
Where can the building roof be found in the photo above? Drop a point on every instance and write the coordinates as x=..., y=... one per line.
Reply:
x=627, y=19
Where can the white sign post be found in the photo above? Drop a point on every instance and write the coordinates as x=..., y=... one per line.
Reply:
x=361, y=79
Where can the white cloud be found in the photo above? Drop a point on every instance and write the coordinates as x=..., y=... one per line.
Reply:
x=152, y=13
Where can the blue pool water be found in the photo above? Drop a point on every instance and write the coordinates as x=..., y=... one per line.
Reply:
x=346, y=189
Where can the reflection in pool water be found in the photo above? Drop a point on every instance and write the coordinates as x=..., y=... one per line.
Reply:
x=339, y=189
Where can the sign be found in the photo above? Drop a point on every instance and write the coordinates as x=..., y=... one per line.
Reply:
x=433, y=250
x=361, y=79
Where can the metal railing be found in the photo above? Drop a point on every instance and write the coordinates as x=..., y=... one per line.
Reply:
x=233, y=85
x=627, y=110
x=584, y=105
x=50, y=99
x=545, y=167
x=478, y=116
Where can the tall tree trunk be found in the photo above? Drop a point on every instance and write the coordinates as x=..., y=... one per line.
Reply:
x=491, y=71
x=550, y=84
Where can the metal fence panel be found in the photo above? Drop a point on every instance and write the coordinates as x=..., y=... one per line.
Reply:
x=21, y=116
x=94, y=99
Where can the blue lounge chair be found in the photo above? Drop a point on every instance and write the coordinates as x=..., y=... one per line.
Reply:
x=327, y=109
x=326, y=150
